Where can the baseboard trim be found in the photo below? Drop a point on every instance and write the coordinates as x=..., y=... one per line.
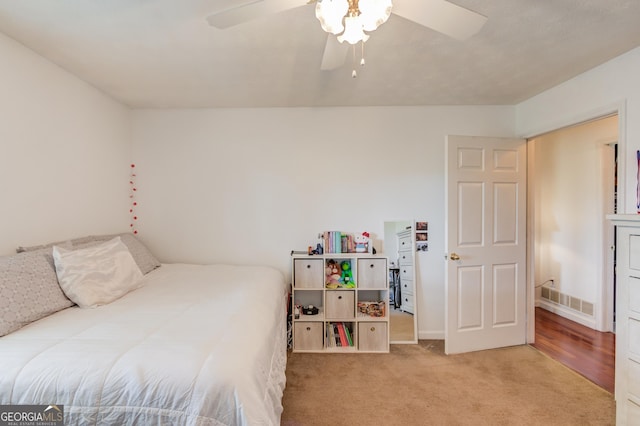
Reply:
x=431, y=335
x=567, y=313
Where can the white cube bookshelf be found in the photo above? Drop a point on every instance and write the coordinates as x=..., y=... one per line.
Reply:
x=353, y=314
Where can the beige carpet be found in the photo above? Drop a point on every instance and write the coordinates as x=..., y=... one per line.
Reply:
x=419, y=385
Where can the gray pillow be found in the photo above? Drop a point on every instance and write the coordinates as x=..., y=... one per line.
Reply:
x=143, y=257
x=29, y=289
x=65, y=244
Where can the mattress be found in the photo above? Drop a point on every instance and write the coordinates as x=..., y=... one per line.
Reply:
x=195, y=345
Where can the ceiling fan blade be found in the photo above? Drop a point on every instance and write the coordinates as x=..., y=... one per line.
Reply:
x=249, y=11
x=335, y=54
x=442, y=16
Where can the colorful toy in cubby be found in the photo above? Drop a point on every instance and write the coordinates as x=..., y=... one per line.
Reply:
x=333, y=275
x=346, y=278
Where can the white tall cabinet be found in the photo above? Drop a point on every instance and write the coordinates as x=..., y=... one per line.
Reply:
x=405, y=263
x=627, y=385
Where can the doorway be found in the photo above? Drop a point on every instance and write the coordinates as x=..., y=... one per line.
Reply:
x=572, y=188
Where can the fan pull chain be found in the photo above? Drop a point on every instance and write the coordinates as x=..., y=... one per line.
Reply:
x=354, y=73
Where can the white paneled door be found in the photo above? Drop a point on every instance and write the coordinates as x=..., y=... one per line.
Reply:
x=486, y=243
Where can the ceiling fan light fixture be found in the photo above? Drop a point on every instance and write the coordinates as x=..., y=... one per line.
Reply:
x=348, y=19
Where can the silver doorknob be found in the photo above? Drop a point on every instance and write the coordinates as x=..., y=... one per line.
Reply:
x=454, y=256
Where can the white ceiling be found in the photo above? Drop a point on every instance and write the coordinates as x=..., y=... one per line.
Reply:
x=162, y=53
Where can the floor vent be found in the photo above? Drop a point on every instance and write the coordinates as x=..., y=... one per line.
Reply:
x=570, y=302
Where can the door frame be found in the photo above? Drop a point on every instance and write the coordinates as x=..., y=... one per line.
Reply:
x=619, y=109
x=604, y=315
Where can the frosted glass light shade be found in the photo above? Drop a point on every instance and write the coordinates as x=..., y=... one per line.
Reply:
x=353, y=32
x=374, y=13
x=330, y=13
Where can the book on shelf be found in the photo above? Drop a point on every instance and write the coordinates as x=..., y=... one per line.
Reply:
x=331, y=337
x=348, y=333
x=337, y=242
x=339, y=335
x=343, y=335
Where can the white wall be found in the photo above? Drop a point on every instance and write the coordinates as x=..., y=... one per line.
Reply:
x=249, y=185
x=569, y=206
x=609, y=87
x=64, y=153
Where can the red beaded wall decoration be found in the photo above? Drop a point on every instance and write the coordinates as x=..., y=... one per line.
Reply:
x=133, y=201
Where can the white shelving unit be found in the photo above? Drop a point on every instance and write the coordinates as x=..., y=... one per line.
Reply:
x=360, y=309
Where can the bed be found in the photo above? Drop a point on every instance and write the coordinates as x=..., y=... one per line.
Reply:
x=191, y=345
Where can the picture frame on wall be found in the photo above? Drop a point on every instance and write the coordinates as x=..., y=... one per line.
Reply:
x=422, y=236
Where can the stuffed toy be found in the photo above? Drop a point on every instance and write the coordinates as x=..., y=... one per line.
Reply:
x=362, y=242
x=332, y=272
x=346, y=278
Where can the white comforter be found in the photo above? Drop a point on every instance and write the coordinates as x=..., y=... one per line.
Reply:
x=196, y=345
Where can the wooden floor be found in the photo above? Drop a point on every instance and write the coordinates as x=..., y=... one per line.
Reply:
x=586, y=351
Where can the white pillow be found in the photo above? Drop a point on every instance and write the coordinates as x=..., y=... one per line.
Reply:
x=96, y=275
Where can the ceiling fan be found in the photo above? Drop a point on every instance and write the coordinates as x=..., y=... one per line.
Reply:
x=439, y=15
